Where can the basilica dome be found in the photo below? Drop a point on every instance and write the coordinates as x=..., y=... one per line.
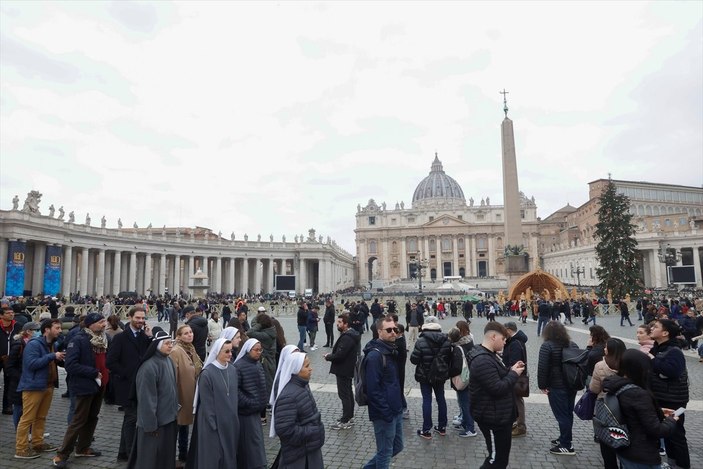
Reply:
x=438, y=188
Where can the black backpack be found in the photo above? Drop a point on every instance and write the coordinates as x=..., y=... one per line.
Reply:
x=439, y=368
x=360, y=378
x=610, y=428
x=574, y=363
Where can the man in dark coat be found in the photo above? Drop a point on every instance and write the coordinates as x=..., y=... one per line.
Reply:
x=8, y=329
x=328, y=320
x=302, y=322
x=199, y=326
x=376, y=309
x=544, y=311
x=343, y=358
x=492, y=394
x=515, y=351
x=126, y=352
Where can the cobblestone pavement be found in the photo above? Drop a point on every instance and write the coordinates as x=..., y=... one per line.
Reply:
x=352, y=448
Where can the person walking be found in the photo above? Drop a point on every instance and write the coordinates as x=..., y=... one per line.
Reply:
x=624, y=313
x=343, y=360
x=544, y=312
x=311, y=325
x=493, y=395
x=125, y=352
x=251, y=379
x=431, y=343
x=462, y=345
x=39, y=378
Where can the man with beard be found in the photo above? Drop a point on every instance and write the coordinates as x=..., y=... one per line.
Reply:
x=86, y=357
x=343, y=358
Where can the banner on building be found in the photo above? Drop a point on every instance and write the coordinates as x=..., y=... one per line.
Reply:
x=52, y=270
x=14, y=280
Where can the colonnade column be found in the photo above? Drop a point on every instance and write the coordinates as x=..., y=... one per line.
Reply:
x=67, y=262
x=386, y=261
x=268, y=276
x=303, y=275
x=426, y=272
x=116, y=272
x=187, y=272
x=84, y=271
x=100, y=281
x=245, y=276
x=38, y=268
x=231, y=284
x=132, y=279
x=403, y=260
x=455, y=257
x=162, y=275
x=148, y=266
x=176, y=275
x=218, y=275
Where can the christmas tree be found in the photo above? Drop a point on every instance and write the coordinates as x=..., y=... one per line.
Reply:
x=616, y=251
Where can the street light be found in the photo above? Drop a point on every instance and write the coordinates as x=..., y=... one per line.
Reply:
x=668, y=256
x=419, y=264
x=578, y=271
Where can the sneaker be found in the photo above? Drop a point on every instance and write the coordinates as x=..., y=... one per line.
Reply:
x=467, y=434
x=45, y=447
x=441, y=430
x=27, y=454
x=456, y=420
x=555, y=441
x=58, y=462
x=426, y=435
x=561, y=450
x=350, y=421
x=342, y=426
x=458, y=426
x=406, y=414
x=88, y=453
x=662, y=452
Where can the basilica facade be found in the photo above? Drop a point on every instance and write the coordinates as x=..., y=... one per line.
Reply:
x=440, y=231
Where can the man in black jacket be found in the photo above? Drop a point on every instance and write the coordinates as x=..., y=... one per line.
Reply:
x=515, y=351
x=8, y=329
x=343, y=358
x=328, y=319
x=198, y=324
x=123, y=358
x=492, y=394
x=544, y=310
x=302, y=321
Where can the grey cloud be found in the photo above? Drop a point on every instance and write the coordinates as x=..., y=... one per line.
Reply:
x=136, y=134
x=31, y=63
x=138, y=17
x=440, y=69
x=320, y=48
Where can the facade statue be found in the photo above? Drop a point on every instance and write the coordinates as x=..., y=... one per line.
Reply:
x=319, y=239
x=149, y=226
x=178, y=232
x=358, y=206
x=163, y=231
x=384, y=206
x=483, y=202
x=15, y=202
x=397, y=205
x=283, y=238
x=402, y=205
x=246, y=237
x=103, y=222
x=271, y=238
x=219, y=235
x=51, y=210
x=135, y=226
x=471, y=201
x=192, y=235
x=329, y=240
x=296, y=239
x=87, y=219
x=31, y=203
x=488, y=201
x=71, y=217
x=692, y=224
x=119, y=223
x=311, y=235
x=231, y=236
x=258, y=238
x=61, y=212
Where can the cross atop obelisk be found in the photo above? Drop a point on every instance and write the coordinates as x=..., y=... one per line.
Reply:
x=505, y=101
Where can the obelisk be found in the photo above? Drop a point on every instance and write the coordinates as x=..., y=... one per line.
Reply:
x=515, y=264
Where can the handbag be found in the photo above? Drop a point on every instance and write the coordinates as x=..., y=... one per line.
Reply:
x=522, y=386
x=586, y=405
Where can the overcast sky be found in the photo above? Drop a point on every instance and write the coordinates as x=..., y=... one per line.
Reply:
x=274, y=118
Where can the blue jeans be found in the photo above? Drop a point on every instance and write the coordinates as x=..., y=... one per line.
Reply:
x=426, y=390
x=627, y=464
x=389, y=442
x=301, y=343
x=541, y=322
x=464, y=400
x=16, y=414
x=562, y=403
x=591, y=318
x=700, y=350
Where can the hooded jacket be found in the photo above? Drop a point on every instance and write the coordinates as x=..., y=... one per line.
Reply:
x=645, y=421
x=429, y=344
x=344, y=353
x=491, y=385
x=200, y=330
x=382, y=385
x=515, y=350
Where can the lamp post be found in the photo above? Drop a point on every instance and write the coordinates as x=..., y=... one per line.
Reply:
x=578, y=271
x=668, y=256
x=420, y=264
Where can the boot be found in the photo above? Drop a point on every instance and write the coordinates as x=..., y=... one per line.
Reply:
x=519, y=431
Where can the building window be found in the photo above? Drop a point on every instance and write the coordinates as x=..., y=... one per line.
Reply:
x=667, y=222
x=394, y=221
x=412, y=245
x=481, y=243
x=372, y=220
x=432, y=245
x=446, y=244
x=411, y=220
x=499, y=217
x=460, y=243
x=480, y=217
x=460, y=217
x=522, y=214
x=372, y=247
x=431, y=218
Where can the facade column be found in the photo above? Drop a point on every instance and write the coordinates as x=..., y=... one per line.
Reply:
x=100, y=279
x=439, y=256
x=231, y=284
x=38, y=268
x=148, y=270
x=491, y=256
x=85, y=254
x=4, y=251
x=218, y=276
x=455, y=255
x=187, y=272
x=268, y=276
x=116, y=272
x=162, y=275
x=471, y=254
x=245, y=276
x=697, y=266
x=256, y=277
x=426, y=253
x=403, y=260
x=386, y=262
x=176, y=275
x=295, y=268
x=132, y=279
x=66, y=274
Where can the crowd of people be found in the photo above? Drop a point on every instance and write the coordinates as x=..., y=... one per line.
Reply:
x=201, y=408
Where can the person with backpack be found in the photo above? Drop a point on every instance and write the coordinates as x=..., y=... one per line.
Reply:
x=343, y=359
x=552, y=382
x=669, y=383
x=646, y=421
x=431, y=355
x=516, y=351
x=492, y=392
x=462, y=344
x=383, y=393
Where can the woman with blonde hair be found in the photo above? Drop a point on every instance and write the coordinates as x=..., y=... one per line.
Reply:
x=188, y=367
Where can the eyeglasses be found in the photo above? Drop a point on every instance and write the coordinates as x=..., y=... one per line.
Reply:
x=394, y=330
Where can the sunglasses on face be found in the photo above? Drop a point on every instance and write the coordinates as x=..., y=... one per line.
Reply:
x=394, y=330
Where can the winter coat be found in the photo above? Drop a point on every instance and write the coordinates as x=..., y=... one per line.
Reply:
x=6, y=336
x=299, y=426
x=186, y=377
x=645, y=421
x=515, y=350
x=213, y=330
x=549, y=372
x=198, y=324
x=13, y=370
x=252, y=386
x=668, y=378
x=80, y=366
x=428, y=345
x=382, y=385
x=491, y=385
x=267, y=337
x=595, y=354
x=344, y=353
x=600, y=372
x=123, y=358
x=36, y=360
